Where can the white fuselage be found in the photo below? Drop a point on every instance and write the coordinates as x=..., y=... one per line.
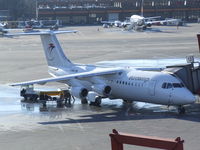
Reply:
x=138, y=20
x=136, y=85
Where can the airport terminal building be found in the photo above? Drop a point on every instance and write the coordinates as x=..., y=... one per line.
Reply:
x=93, y=11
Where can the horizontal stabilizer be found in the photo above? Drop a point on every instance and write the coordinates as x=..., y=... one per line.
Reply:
x=48, y=32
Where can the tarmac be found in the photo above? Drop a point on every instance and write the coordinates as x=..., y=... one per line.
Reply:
x=82, y=127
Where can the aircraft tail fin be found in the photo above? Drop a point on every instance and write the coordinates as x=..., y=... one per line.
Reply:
x=54, y=54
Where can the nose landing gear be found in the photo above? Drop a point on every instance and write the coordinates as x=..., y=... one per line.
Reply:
x=181, y=109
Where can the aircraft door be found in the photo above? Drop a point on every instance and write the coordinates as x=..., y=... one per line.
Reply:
x=152, y=86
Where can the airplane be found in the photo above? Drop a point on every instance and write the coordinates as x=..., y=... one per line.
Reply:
x=136, y=22
x=141, y=23
x=2, y=29
x=93, y=82
x=116, y=23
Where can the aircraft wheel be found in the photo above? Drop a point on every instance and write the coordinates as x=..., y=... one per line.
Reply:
x=25, y=98
x=98, y=101
x=44, y=104
x=33, y=98
x=84, y=101
x=181, y=110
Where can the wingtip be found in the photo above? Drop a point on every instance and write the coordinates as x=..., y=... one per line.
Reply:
x=13, y=85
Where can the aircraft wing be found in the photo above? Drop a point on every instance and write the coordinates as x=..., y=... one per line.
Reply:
x=154, y=17
x=160, y=22
x=108, y=22
x=95, y=72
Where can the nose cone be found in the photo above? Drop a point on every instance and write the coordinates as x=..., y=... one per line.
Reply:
x=189, y=98
x=186, y=97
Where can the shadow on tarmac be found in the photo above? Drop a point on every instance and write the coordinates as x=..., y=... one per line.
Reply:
x=130, y=113
x=110, y=111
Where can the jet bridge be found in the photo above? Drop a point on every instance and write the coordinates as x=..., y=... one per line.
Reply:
x=189, y=73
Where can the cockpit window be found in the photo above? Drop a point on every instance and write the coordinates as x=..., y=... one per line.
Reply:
x=182, y=85
x=164, y=85
x=177, y=85
x=170, y=85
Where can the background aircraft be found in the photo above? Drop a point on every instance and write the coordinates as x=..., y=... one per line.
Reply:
x=3, y=29
x=92, y=82
x=136, y=22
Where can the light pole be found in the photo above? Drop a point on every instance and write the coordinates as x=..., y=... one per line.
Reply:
x=142, y=10
x=36, y=9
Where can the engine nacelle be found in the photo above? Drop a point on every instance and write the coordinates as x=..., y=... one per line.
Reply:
x=102, y=89
x=149, y=25
x=79, y=92
x=140, y=22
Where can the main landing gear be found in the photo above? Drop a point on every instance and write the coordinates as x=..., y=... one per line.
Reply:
x=84, y=101
x=97, y=102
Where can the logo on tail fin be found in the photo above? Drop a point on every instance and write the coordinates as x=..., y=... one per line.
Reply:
x=50, y=51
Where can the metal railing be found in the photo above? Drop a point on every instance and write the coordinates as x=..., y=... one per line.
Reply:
x=118, y=139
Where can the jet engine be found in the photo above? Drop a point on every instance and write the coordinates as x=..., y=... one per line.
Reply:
x=140, y=22
x=149, y=24
x=102, y=89
x=79, y=92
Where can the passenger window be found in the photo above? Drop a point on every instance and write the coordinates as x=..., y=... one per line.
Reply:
x=164, y=85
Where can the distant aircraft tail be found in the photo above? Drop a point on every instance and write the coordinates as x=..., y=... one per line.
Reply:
x=54, y=54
